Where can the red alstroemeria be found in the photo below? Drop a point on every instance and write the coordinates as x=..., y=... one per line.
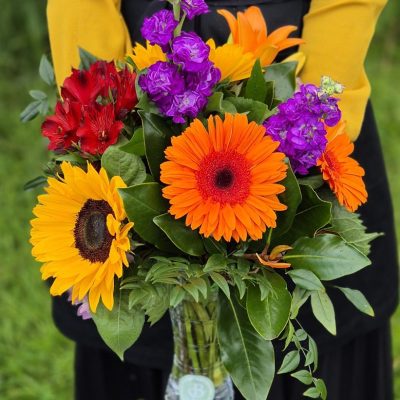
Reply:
x=126, y=97
x=105, y=73
x=61, y=127
x=99, y=130
x=82, y=86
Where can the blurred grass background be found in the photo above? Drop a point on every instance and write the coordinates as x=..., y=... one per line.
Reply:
x=36, y=362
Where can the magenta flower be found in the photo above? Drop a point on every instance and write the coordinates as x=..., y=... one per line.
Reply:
x=193, y=8
x=159, y=28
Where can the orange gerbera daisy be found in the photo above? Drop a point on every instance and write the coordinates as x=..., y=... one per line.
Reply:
x=249, y=30
x=224, y=178
x=342, y=172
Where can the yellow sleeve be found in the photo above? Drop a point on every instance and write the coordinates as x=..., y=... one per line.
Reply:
x=337, y=35
x=94, y=25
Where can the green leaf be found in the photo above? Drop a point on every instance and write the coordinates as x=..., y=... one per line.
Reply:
x=256, y=88
x=221, y=283
x=291, y=197
x=313, y=393
x=147, y=105
x=349, y=225
x=38, y=94
x=157, y=136
x=300, y=296
x=290, y=362
x=289, y=334
x=31, y=111
x=315, y=181
x=358, y=300
x=182, y=236
x=328, y=256
x=313, y=352
x=128, y=166
x=247, y=357
x=87, y=59
x=214, y=247
x=46, y=71
x=216, y=103
x=216, y=263
x=320, y=386
x=120, y=327
x=142, y=203
x=38, y=181
x=284, y=76
x=136, y=144
x=312, y=214
x=177, y=295
x=269, y=316
x=303, y=376
x=306, y=279
x=255, y=110
x=323, y=310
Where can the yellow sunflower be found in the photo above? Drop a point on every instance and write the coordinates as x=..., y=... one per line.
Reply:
x=143, y=57
x=224, y=179
x=78, y=234
x=231, y=59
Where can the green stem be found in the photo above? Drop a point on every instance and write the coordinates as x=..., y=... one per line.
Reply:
x=189, y=339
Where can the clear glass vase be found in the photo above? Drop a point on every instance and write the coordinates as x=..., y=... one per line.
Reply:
x=197, y=371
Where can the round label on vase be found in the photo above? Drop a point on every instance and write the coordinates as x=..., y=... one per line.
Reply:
x=196, y=387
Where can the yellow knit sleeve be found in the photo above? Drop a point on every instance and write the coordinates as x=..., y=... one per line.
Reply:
x=337, y=35
x=94, y=25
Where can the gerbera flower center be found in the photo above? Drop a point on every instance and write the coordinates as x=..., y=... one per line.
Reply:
x=92, y=237
x=224, y=176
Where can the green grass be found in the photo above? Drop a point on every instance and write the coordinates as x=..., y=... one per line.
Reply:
x=36, y=361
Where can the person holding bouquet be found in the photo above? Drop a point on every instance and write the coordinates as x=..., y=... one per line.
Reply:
x=355, y=364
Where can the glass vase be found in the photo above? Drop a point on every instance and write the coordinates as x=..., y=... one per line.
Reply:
x=197, y=371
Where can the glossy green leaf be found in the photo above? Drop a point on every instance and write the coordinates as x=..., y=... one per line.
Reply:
x=349, y=225
x=128, y=166
x=146, y=104
x=220, y=282
x=328, y=256
x=120, y=327
x=46, y=71
x=303, y=376
x=157, y=136
x=256, y=88
x=306, y=279
x=142, y=203
x=182, y=236
x=312, y=392
x=214, y=247
x=248, y=358
x=291, y=197
x=255, y=110
x=323, y=310
x=320, y=386
x=136, y=144
x=299, y=297
x=312, y=214
x=358, y=300
x=290, y=362
x=216, y=263
x=269, y=316
x=315, y=181
x=313, y=352
x=284, y=76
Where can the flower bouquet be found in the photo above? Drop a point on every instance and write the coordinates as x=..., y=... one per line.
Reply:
x=198, y=179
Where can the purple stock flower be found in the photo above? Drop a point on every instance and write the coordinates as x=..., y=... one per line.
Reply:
x=162, y=79
x=194, y=8
x=299, y=126
x=205, y=80
x=159, y=28
x=187, y=104
x=190, y=52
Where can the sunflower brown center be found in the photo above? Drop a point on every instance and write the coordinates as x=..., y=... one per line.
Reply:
x=92, y=237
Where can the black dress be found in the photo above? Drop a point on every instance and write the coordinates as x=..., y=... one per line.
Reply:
x=356, y=364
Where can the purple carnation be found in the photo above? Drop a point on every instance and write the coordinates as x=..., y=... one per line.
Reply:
x=190, y=52
x=162, y=80
x=193, y=8
x=299, y=126
x=159, y=28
